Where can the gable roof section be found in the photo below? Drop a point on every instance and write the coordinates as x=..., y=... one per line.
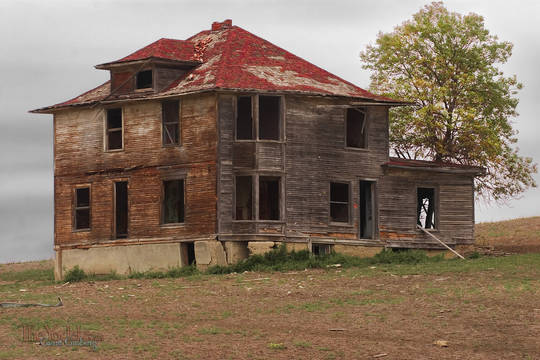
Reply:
x=230, y=58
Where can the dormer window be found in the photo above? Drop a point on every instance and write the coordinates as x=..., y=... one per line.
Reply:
x=144, y=79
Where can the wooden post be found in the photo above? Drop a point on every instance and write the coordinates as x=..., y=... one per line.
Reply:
x=438, y=240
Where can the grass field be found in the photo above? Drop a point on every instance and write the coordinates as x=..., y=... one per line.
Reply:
x=483, y=308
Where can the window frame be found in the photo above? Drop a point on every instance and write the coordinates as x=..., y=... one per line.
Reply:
x=253, y=209
x=255, y=118
x=364, y=111
x=162, y=201
x=349, y=203
x=178, y=123
x=106, y=130
x=280, y=197
x=75, y=208
x=137, y=80
x=115, y=203
x=436, y=200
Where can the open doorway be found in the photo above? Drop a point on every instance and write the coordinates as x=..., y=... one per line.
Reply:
x=367, y=209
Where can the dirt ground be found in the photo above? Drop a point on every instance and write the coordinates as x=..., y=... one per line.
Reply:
x=484, y=309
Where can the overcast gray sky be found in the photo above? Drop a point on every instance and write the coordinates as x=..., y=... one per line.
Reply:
x=49, y=48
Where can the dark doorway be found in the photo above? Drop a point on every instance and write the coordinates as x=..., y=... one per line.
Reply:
x=121, y=209
x=188, y=253
x=367, y=211
x=269, y=198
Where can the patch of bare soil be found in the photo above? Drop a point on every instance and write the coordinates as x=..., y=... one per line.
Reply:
x=335, y=314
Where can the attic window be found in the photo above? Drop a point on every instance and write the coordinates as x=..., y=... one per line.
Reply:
x=144, y=79
x=356, y=129
x=426, y=208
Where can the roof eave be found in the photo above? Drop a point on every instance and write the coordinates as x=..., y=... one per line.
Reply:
x=475, y=171
x=155, y=60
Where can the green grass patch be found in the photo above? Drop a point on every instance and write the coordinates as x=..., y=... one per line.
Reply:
x=46, y=274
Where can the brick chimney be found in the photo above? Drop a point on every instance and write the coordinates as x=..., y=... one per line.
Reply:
x=216, y=25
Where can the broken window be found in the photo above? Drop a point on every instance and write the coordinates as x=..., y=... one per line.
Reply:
x=170, y=117
x=244, y=119
x=366, y=210
x=114, y=129
x=321, y=249
x=426, y=209
x=339, y=202
x=269, y=198
x=82, y=208
x=269, y=116
x=173, y=201
x=356, y=128
x=244, y=198
x=121, y=209
x=144, y=79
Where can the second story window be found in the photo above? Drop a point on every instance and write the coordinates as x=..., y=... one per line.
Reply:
x=356, y=129
x=144, y=79
x=82, y=209
x=114, y=132
x=244, y=118
x=264, y=124
x=170, y=117
x=269, y=117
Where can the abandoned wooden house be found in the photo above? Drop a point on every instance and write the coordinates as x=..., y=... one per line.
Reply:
x=206, y=149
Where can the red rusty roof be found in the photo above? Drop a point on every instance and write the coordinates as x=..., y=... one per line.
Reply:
x=170, y=49
x=233, y=58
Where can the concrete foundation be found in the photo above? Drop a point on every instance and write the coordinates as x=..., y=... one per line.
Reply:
x=236, y=251
x=260, y=247
x=209, y=253
x=127, y=259
x=296, y=246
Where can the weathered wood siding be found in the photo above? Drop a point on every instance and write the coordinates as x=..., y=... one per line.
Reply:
x=311, y=155
x=80, y=159
x=316, y=155
x=397, y=208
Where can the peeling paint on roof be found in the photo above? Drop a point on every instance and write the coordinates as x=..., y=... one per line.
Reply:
x=233, y=58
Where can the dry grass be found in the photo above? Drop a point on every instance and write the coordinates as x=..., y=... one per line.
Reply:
x=517, y=235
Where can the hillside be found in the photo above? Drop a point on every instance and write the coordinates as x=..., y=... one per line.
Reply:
x=517, y=236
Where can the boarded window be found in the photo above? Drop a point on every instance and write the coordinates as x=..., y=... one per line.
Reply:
x=173, y=201
x=121, y=209
x=82, y=208
x=114, y=129
x=426, y=208
x=356, y=128
x=269, y=117
x=244, y=198
x=269, y=198
x=244, y=121
x=339, y=202
x=144, y=79
x=367, y=210
x=170, y=116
